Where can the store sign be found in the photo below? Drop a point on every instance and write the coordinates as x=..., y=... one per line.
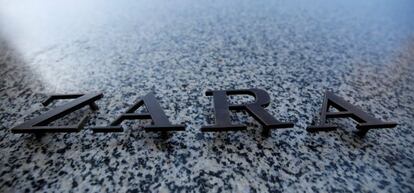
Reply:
x=160, y=122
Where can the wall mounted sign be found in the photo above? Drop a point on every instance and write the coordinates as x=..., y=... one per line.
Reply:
x=222, y=107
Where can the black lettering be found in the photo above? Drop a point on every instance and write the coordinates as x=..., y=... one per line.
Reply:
x=255, y=109
x=345, y=110
x=160, y=121
x=39, y=124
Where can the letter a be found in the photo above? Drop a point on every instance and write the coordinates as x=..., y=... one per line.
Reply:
x=155, y=113
x=345, y=110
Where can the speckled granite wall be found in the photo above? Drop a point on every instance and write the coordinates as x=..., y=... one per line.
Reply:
x=362, y=51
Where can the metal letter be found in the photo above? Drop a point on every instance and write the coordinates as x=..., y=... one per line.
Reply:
x=345, y=109
x=160, y=121
x=38, y=124
x=255, y=109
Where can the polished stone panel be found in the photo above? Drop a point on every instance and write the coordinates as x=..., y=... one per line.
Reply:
x=362, y=51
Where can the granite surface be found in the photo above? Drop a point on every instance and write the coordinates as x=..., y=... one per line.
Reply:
x=361, y=50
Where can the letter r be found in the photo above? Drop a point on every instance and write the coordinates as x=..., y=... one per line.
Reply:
x=255, y=109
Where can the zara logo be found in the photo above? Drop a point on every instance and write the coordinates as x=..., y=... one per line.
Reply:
x=222, y=107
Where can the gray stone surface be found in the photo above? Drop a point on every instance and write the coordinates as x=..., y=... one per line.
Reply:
x=362, y=51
